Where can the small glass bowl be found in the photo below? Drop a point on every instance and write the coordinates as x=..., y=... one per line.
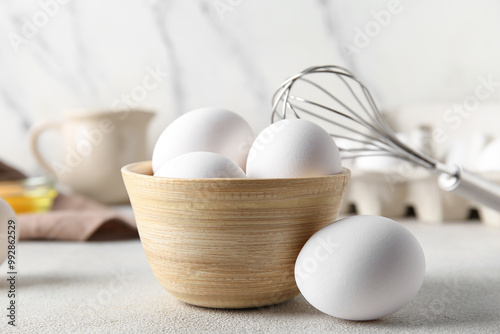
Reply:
x=34, y=194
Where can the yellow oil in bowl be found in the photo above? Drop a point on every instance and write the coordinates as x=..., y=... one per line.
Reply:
x=29, y=195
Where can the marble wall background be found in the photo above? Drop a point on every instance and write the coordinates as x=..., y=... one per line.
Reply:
x=60, y=54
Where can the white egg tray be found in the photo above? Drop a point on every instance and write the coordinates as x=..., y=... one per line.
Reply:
x=390, y=195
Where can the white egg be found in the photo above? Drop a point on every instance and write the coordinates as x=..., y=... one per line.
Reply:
x=360, y=268
x=200, y=165
x=8, y=226
x=207, y=129
x=293, y=148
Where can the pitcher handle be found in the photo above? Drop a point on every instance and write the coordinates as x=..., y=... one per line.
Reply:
x=35, y=133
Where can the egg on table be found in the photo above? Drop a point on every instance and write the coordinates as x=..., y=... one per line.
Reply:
x=293, y=148
x=200, y=165
x=360, y=268
x=208, y=129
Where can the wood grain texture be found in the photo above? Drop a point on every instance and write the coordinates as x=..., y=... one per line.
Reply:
x=229, y=243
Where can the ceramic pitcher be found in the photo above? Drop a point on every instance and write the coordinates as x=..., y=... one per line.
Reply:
x=95, y=145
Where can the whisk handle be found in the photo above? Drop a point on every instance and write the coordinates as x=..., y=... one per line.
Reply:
x=473, y=187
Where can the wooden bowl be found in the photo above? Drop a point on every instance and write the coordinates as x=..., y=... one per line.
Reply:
x=229, y=243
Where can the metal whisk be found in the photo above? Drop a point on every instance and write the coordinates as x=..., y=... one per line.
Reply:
x=355, y=117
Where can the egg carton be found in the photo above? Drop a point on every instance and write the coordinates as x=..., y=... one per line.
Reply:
x=392, y=195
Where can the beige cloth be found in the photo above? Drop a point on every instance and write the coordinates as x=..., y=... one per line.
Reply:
x=77, y=218
x=7, y=173
x=72, y=218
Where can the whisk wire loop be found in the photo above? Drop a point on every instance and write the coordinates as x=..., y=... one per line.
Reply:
x=364, y=121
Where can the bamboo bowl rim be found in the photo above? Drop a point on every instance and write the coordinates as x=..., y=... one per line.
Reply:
x=144, y=170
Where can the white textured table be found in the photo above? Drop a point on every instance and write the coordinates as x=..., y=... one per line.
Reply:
x=108, y=287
